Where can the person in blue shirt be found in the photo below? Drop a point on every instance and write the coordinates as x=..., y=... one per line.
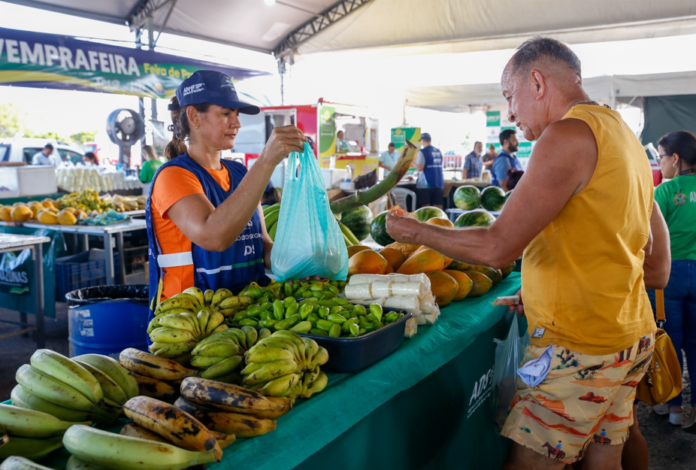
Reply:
x=431, y=180
x=388, y=159
x=473, y=164
x=506, y=159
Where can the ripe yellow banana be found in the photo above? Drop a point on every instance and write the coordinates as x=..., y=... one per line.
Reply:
x=135, y=430
x=175, y=425
x=194, y=321
x=154, y=388
x=275, y=343
x=242, y=425
x=118, y=452
x=203, y=362
x=21, y=463
x=226, y=397
x=21, y=422
x=176, y=302
x=208, y=296
x=219, y=296
x=23, y=399
x=281, y=386
x=223, y=439
x=203, y=316
x=71, y=373
x=269, y=355
x=317, y=386
x=178, y=321
x=33, y=449
x=223, y=347
x=251, y=336
x=320, y=358
x=153, y=366
x=296, y=339
x=113, y=369
x=281, y=401
x=215, y=320
x=173, y=350
x=197, y=294
x=197, y=411
x=170, y=335
x=111, y=389
x=270, y=371
x=227, y=312
x=311, y=347
x=230, y=302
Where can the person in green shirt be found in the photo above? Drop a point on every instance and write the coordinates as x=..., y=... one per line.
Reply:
x=150, y=164
x=677, y=201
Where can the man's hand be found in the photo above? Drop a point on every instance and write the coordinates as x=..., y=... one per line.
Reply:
x=403, y=229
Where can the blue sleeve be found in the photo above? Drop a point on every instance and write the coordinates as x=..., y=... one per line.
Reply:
x=500, y=168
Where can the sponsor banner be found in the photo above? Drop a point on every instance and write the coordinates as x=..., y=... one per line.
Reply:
x=16, y=272
x=52, y=61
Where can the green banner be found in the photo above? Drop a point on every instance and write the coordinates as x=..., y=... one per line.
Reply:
x=492, y=118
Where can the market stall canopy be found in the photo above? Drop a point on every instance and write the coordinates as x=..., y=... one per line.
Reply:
x=625, y=88
x=436, y=26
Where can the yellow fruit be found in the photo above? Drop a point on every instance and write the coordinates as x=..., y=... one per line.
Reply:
x=441, y=222
x=80, y=214
x=47, y=203
x=443, y=286
x=21, y=214
x=17, y=204
x=36, y=207
x=356, y=249
x=482, y=283
x=395, y=257
x=464, y=281
x=52, y=209
x=47, y=217
x=367, y=262
x=6, y=213
x=65, y=217
x=422, y=262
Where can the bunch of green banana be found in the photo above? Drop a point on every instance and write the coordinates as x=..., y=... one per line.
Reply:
x=21, y=463
x=62, y=387
x=271, y=214
x=279, y=365
x=184, y=319
x=220, y=356
x=117, y=452
x=155, y=376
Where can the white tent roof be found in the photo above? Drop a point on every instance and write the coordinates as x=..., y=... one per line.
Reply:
x=459, y=98
x=418, y=26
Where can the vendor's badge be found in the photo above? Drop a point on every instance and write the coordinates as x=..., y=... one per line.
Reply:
x=538, y=332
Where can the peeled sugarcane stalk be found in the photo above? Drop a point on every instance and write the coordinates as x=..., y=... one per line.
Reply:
x=364, y=197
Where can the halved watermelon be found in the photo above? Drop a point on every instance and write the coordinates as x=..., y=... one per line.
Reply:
x=358, y=220
x=429, y=212
x=493, y=198
x=378, y=230
x=476, y=218
x=467, y=197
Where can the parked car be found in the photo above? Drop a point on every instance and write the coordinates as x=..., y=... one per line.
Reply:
x=654, y=165
x=23, y=150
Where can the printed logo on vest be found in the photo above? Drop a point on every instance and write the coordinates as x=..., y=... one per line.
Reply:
x=679, y=199
x=249, y=250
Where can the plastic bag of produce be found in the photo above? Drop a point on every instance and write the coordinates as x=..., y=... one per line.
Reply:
x=508, y=356
x=309, y=241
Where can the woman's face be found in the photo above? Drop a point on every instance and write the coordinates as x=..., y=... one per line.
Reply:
x=218, y=127
x=667, y=162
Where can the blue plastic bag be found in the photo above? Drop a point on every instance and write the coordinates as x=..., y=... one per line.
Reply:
x=308, y=241
x=508, y=356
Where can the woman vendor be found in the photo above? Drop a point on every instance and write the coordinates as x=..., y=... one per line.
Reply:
x=204, y=222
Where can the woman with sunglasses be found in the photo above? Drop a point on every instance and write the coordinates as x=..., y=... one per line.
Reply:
x=677, y=200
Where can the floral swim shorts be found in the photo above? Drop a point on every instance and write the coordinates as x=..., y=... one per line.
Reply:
x=583, y=399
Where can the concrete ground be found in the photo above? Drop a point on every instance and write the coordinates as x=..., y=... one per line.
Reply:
x=670, y=447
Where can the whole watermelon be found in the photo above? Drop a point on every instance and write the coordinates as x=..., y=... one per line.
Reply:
x=429, y=212
x=358, y=220
x=467, y=197
x=378, y=230
x=476, y=218
x=493, y=198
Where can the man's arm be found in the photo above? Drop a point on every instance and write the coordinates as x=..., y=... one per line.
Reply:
x=500, y=171
x=550, y=181
x=420, y=161
x=658, y=260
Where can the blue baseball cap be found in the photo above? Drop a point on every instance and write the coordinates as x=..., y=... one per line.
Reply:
x=209, y=86
x=425, y=136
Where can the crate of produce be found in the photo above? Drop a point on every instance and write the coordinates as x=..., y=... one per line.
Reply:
x=80, y=271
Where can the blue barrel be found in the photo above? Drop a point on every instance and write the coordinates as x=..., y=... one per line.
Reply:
x=107, y=319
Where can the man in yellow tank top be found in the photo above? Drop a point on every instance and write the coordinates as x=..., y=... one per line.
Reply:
x=582, y=215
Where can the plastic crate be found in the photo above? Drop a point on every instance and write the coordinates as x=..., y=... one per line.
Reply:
x=78, y=271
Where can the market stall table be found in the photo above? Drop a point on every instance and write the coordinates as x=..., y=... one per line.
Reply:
x=104, y=231
x=10, y=242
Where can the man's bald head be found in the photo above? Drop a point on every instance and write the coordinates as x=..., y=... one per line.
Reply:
x=544, y=52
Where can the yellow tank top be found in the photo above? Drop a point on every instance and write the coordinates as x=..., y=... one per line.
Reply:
x=582, y=276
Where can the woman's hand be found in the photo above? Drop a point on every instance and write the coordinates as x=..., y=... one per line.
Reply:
x=282, y=141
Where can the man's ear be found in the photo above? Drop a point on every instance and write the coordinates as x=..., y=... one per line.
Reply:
x=537, y=82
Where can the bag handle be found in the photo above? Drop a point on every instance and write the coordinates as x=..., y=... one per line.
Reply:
x=660, y=306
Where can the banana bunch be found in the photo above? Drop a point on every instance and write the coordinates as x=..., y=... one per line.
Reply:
x=21, y=463
x=285, y=365
x=156, y=376
x=185, y=319
x=66, y=389
x=220, y=356
x=118, y=452
x=271, y=214
x=232, y=398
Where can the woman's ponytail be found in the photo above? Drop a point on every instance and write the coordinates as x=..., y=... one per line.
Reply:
x=176, y=146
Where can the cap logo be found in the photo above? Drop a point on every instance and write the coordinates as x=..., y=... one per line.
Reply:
x=197, y=88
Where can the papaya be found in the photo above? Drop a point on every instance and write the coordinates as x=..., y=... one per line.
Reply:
x=422, y=262
x=356, y=248
x=447, y=223
x=459, y=266
x=493, y=274
x=464, y=281
x=36, y=207
x=65, y=217
x=482, y=283
x=367, y=262
x=48, y=203
x=21, y=214
x=389, y=269
x=395, y=257
x=508, y=269
x=80, y=214
x=47, y=217
x=443, y=286
x=447, y=262
x=6, y=213
x=406, y=248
